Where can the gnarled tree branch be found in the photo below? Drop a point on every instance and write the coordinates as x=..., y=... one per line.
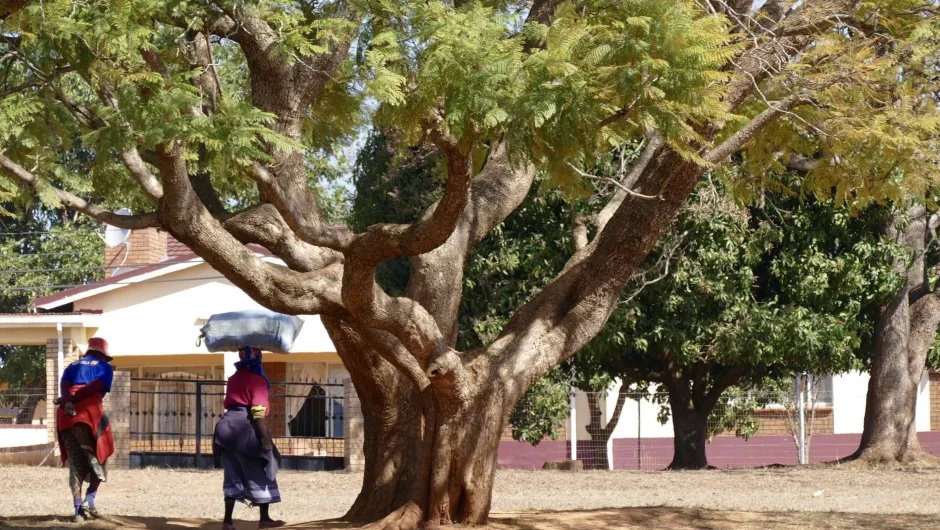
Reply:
x=74, y=202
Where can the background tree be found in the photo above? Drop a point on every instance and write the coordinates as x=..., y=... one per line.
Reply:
x=905, y=327
x=753, y=293
x=733, y=297
x=40, y=249
x=175, y=130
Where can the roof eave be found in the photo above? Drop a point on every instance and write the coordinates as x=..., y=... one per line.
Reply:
x=43, y=321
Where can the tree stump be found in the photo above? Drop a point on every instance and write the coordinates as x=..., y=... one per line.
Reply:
x=564, y=465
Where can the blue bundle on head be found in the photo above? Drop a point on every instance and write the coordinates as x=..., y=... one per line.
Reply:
x=266, y=330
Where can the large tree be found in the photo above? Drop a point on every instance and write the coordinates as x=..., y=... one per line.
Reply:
x=181, y=101
x=769, y=291
x=905, y=328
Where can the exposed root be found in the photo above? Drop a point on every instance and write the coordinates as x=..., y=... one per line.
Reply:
x=867, y=460
x=408, y=517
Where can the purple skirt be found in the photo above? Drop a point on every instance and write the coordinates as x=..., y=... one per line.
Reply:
x=250, y=473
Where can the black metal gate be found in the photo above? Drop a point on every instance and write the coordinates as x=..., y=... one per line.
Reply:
x=172, y=422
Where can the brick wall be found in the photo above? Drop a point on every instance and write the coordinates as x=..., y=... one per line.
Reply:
x=117, y=405
x=775, y=421
x=277, y=372
x=143, y=247
x=70, y=354
x=935, y=401
x=353, y=429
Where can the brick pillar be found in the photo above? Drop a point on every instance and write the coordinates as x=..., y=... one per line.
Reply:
x=70, y=354
x=277, y=373
x=353, y=429
x=117, y=405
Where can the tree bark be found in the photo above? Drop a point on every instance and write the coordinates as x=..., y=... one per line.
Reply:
x=904, y=331
x=690, y=430
x=595, y=457
x=423, y=461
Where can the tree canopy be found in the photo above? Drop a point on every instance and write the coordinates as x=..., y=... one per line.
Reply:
x=41, y=249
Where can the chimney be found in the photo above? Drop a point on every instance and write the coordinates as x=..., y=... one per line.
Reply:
x=143, y=247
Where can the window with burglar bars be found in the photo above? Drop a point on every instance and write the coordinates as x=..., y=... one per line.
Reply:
x=179, y=415
x=23, y=406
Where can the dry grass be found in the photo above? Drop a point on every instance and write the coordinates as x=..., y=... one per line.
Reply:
x=779, y=498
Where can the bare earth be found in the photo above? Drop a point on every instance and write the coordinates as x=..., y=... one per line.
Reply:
x=540, y=500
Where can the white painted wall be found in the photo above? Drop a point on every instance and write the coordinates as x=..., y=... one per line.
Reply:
x=922, y=412
x=164, y=318
x=849, y=391
x=848, y=402
x=648, y=425
x=20, y=436
x=228, y=364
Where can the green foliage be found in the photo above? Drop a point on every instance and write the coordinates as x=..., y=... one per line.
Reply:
x=874, y=119
x=542, y=410
x=767, y=291
x=22, y=366
x=654, y=64
x=513, y=263
x=29, y=260
x=603, y=75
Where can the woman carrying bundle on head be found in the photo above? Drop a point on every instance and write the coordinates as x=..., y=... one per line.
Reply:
x=242, y=444
x=85, y=437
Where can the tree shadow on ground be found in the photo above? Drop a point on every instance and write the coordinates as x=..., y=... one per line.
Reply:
x=701, y=519
x=610, y=519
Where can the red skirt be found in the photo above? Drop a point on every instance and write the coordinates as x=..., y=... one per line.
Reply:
x=90, y=412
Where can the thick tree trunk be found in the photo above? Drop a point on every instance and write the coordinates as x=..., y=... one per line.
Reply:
x=428, y=467
x=595, y=457
x=690, y=432
x=423, y=461
x=904, y=332
x=892, y=390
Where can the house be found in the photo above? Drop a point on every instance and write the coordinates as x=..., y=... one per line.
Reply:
x=155, y=297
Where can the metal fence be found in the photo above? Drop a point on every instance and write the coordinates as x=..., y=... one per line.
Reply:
x=172, y=422
x=745, y=429
x=23, y=406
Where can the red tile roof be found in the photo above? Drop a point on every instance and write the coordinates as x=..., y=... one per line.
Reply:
x=175, y=249
x=120, y=279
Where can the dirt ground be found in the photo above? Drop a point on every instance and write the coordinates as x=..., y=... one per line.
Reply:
x=538, y=500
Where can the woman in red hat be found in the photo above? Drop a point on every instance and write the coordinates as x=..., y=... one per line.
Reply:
x=85, y=438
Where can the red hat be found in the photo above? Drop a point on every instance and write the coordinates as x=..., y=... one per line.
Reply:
x=99, y=345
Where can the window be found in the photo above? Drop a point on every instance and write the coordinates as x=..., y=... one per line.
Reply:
x=821, y=390
x=311, y=419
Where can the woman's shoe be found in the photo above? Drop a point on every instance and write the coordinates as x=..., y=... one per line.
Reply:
x=271, y=524
x=226, y=526
x=78, y=518
x=90, y=510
